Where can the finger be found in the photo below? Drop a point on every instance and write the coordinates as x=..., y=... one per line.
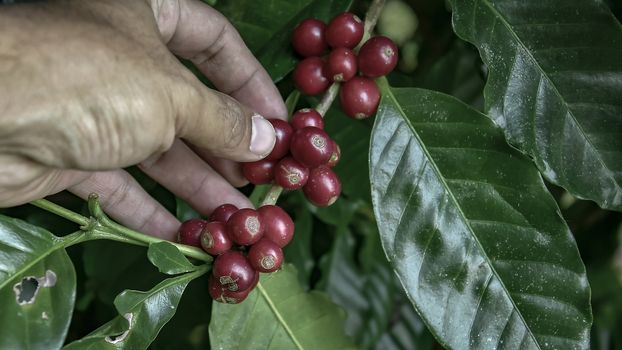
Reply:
x=189, y=177
x=122, y=197
x=230, y=170
x=22, y=180
x=206, y=37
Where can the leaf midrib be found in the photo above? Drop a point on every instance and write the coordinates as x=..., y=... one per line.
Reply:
x=278, y=315
x=459, y=208
x=543, y=73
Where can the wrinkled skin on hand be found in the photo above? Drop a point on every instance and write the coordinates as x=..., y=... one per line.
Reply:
x=88, y=88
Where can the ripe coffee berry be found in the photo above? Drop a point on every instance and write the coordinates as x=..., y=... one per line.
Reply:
x=259, y=172
x=323, y=187
x=309, y=76
x=189, y=232
x=311, y=146
x=290, y=174
x=307, y=117
x=245, y=227
x=265, y=256
x=223, y=213
x=345, y=30
x=283, y=132
x=359, y=97
x=336, y=156
x=233, y=271
x=279, y=226
x=214, y=238
x=222, y=295
x=308, y=38
x=377, y=57
x=341, y=64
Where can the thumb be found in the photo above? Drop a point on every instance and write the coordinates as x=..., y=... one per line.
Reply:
x=223, y=126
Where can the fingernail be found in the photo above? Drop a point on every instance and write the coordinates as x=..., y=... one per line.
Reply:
x=262, y=136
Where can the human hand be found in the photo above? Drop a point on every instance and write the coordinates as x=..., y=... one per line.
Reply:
x=91, y=87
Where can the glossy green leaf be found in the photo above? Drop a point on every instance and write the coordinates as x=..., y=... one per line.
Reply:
x=278, y=314
x=474, y=236
x=266, y=27
x=555, y=86
x=168, y=259
x=141, y=316
x=37, y=287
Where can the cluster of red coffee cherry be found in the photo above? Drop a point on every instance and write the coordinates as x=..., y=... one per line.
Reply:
x=359, y=95
x=302, y=157
x=247, y=241
x=244, y=241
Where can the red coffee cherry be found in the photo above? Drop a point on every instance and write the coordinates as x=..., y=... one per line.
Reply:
x=283, y=132
x=290, y=174
x=335, y=156
x=214, y=238
x=221, y=294
x=259, y=172
x=309, y=76
x=233, y=271
x=377, y=57
x=359, y=97
x=308, y=38
x=311, y=146
x=223, y=213
x=323, y=187
x=307, y=117
x=279, y=225
x=345, y=30
x=189, y=232
x=245, y=227
x=341, y=65
x=265, y=256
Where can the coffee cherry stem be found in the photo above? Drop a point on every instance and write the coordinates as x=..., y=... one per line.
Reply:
x=371, y=17
x=328, y=99
x=99, y=226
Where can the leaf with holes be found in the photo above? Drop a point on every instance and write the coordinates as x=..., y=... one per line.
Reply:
x=37, y=287
x=278, y=314
x=469, y=227
x=168, y=259
x=555, y=86
x=141, y=316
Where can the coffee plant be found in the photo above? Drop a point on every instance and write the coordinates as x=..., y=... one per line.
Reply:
x=450, y=176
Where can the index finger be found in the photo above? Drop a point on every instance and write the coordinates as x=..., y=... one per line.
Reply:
x=204, y=36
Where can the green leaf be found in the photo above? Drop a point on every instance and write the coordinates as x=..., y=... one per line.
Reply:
x=555, y=86
x=37, y=287
x=458, y=73
x=374, y=302
x=298, y=251
x=278, y=314
x=469, y=227
x=183, y=210
x=353, y=139
x=168, y=259
x=266, y=27
x=141, y=316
